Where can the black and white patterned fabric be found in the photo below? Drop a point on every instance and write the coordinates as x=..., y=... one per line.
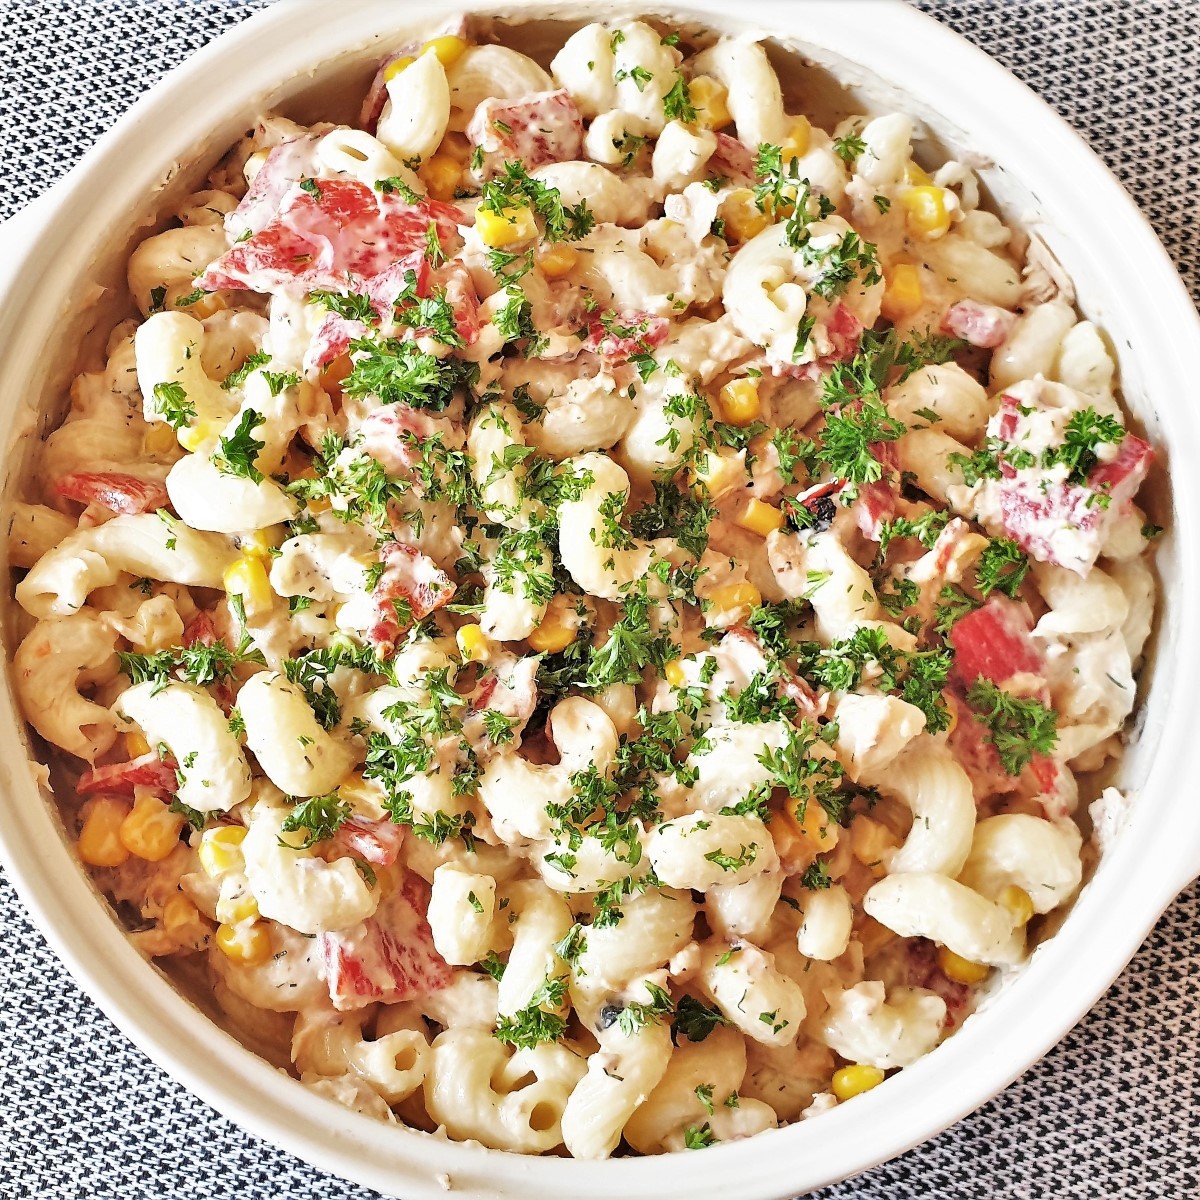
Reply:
x=1113, y=1112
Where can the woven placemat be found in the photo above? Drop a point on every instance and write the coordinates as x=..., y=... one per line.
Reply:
x=1112, y=1112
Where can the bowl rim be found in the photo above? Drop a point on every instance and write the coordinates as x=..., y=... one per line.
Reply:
x=1154, y=859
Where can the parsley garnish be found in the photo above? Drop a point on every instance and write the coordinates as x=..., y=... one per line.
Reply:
x=677, y=103
x=320, y=818
x=237, y=452
x=695, y=1020
x=171, y=403
x=237, y=378
x=1003, y=566
x=1019, y=727
x=514, y=187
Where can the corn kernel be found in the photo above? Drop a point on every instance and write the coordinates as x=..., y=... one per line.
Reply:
x=914, y=176
x=396, y=66
x=473, y=643
x=854, y=1080
x=100, y=842
x=259, y=543
x=556, y=632
x=254, y=164
x=238, y=907
x=151, y=830
x=206, y=306
x=441, y=176
x=458, y=147
x=247, y=577
x=870, y=841
x=1016, y=901
x=798, y=140
x=220, y=849
x=731, y=596
x=449, y=49
x=960, y=969
x=178, y=913
x=816, y=826
x=740, y=403
x=674, y=673
x=159, y=439
x=195, y=437
x=136, y=745
x=903, y=294
x=710, y=99
x=719, y=472
x=248, y=944
x=925, y=211
x=761, y=518
x=557, y=260
x=505, y=228
x=742, y=216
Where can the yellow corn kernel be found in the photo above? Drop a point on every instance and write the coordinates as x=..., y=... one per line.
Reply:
x=710, y=99
x=925, y=211
x=816, y=826
x=951, y=715
x=247, y=944
x=151, y=830
x=761, y=518
x=206, y=306
x=903, y=294
x=798, y=140
x=449, y=49
x=960, y=969
x=556, y=632
x=740, y=403
x=731, y=596
x=742, y=216
x=442, y=175
x=870, y=841
x=247, y=577
x=914, y=176
x=396, y=66
x=159, y=439
x=220, y=849
x=259, y=543
x=719, y=472
x=254, y=164
x=136, y=745
x=473, y=643
x=505, y=228
x=854, y=1080
x=674, y=673
x=178, y=913
x=557, y=260
x=100, y=842
x=1017, y=903
x=236, y=908
x=195, y=436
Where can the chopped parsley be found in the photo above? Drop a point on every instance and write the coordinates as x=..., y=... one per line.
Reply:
x=320, y=817
x=1018, y=727
x=237, y=453
x=172, y=404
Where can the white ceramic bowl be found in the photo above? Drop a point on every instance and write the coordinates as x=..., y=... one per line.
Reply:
x=79, y=235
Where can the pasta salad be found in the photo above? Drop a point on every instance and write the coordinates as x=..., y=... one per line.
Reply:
x=576, y=608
